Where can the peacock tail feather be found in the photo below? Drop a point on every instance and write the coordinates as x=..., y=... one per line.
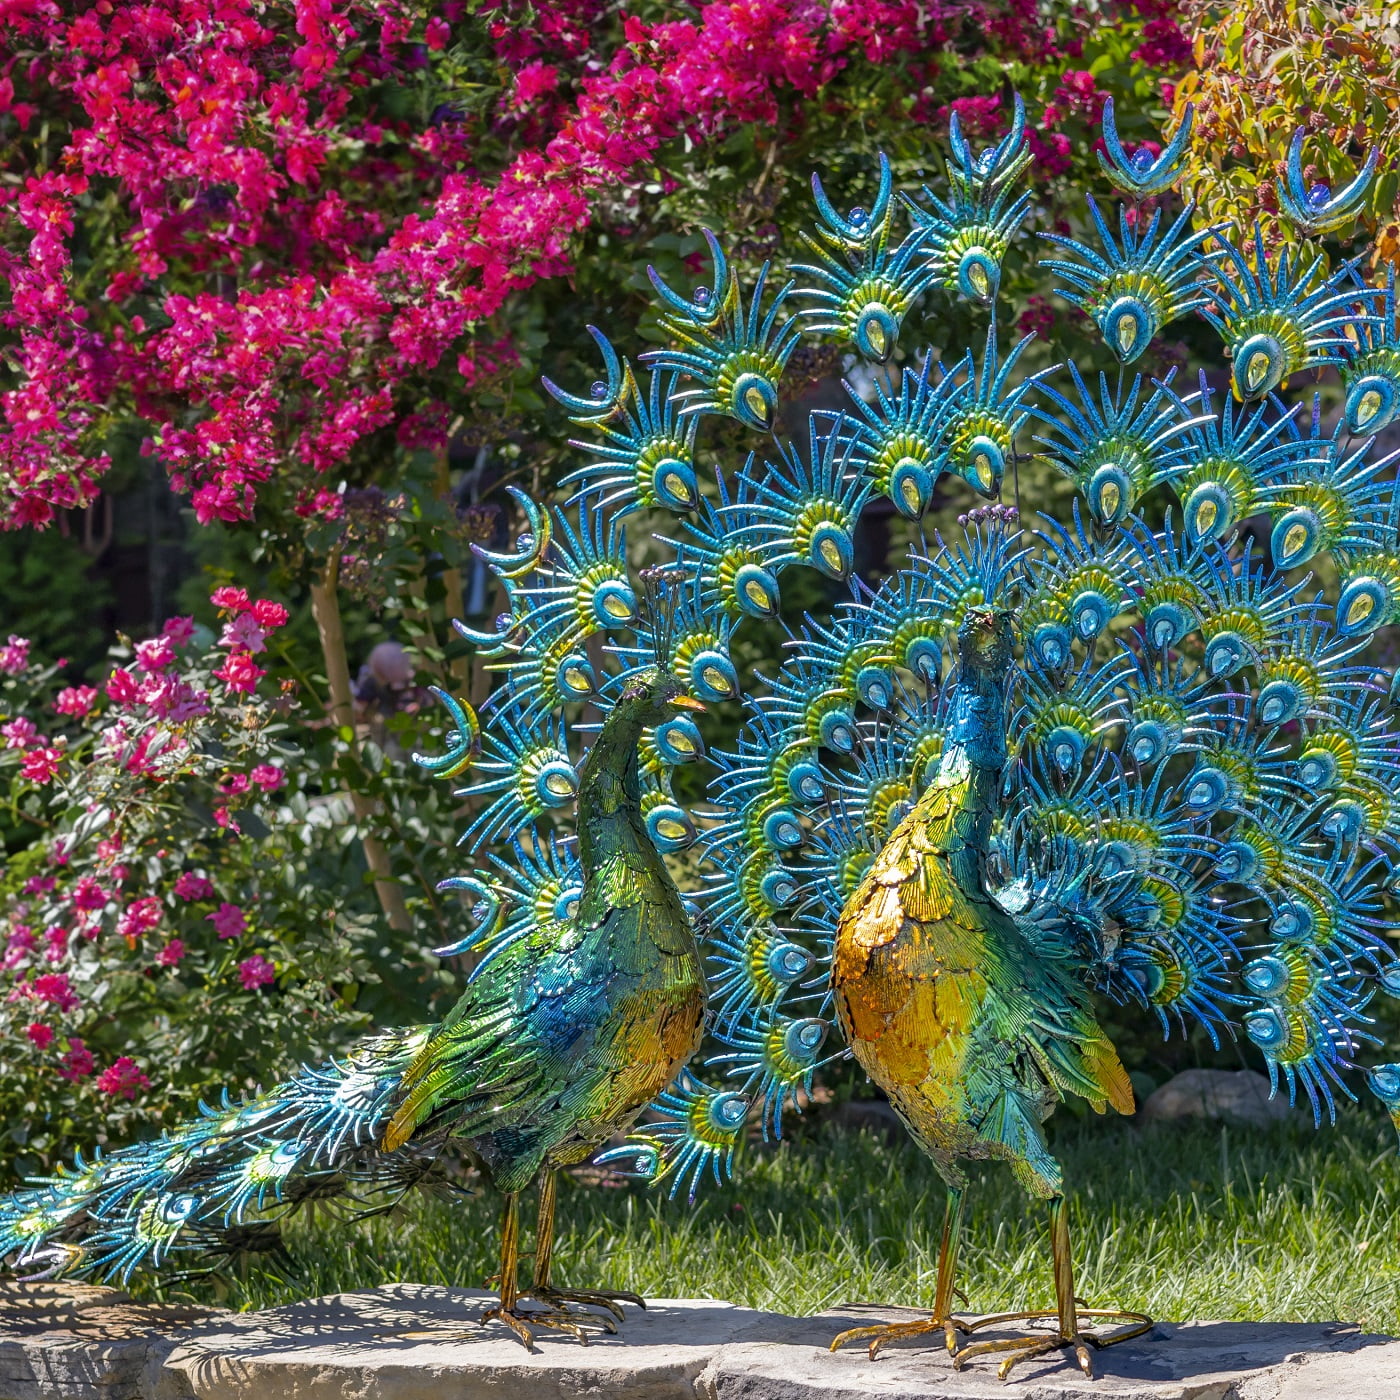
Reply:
x=219, y=1183
x=1200, y=807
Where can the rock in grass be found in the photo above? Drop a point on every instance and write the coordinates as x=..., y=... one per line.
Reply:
x=1235, y=1096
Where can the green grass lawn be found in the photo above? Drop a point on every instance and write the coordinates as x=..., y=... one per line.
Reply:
x=1196, y=1221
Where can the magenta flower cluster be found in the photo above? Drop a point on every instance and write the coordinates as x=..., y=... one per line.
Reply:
x=115, y=767
x=295, y=264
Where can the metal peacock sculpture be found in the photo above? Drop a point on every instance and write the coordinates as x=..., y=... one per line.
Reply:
x=584, y=1008
x=1130, y=754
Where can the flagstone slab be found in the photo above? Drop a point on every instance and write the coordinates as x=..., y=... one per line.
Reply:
x=421, y=1342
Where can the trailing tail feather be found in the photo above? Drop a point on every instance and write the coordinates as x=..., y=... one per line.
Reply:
x=214, y=1181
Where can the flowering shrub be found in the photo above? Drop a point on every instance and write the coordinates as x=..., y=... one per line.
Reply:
x=181, y=903
x=1268, y=67
x=284, y=234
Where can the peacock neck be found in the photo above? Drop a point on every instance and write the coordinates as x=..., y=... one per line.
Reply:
x=610, y=796
x=964, y=791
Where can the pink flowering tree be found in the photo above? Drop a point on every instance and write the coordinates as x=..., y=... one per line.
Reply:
x=180, y=913
x=298, y=240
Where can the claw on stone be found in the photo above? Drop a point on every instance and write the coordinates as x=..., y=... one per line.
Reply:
x=883, y=1333
x=1026, y=1348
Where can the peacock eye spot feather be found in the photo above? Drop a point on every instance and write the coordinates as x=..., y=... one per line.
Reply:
x=1385, y=1084
x=670, y=827
x=978, y=274
x=754, y=400
x=1209, y=512
x=674, y=485
x=1110, y=493
x=911, y=487
x=1225, y=654
x=837, y=731
x=678, y=741
x=1362, y=606
x=1260, y=364
x=1267, y=977
x=1280, y=702
x=779, y=888
x=876, y=332
x=756, y=591
x=1371, y=404
x=1296, y=537
x=787, y=962
x=728, y=1111
x=1266, y=1029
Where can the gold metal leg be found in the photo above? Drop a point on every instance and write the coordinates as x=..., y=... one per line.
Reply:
x=943, y=1294
x=1067, y=1313
x=557, y=1299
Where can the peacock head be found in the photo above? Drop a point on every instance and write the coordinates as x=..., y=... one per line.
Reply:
x=654, y=696
x=985, y=639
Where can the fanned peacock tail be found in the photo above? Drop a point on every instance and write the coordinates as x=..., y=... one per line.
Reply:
x=1203, y=800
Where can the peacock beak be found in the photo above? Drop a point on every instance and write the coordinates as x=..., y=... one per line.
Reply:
x=684, y=702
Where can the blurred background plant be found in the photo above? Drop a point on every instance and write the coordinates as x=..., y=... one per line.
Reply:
x=1262, y=71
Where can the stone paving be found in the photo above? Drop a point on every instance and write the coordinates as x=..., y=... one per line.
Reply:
x=416, y=1342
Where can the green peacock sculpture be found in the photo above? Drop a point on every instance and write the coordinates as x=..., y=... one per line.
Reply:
x=579, y=1015
x=1131, y=756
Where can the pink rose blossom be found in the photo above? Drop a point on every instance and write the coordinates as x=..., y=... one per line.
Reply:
x=269, y=615
x=19, y=733
x=171, y=954
x=240, y=673
x=256, y=972
x=243, y=633
x=19, y=946
x=122, y=1078
x=75, y=700
x=123, y=687
x=234, y=784
x=229, y=920
x=54, y=988
x=15, y=657
x=41, y=764
x=140, y=917
x=180, y=630
x=39, y=1034
x=77, y=1061
x=268, y=778
x=88, y=894
x=155, y=654
x=229, y=599
x=189, y=886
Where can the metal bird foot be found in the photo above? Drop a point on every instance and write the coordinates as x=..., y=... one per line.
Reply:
x=1039, y=1344
x=881, y=1334
x=559, y=1319
x=606, y=1298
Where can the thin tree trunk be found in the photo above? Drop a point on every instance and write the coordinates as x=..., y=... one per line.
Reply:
x=452, y=581
x=325, y=607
